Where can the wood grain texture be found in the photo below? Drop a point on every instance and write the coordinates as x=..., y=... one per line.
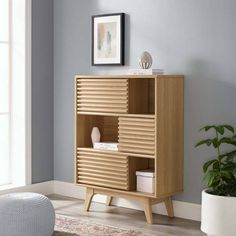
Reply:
x=169, y=131
x=148, y=210
x=107, y=125
x=88, y=198
x=91, y=94
x=145, y=201
x=169, y=207
x=136, y=164
x=102, y=170
x=140, y=96
x=126, y=194
x=93, y=78
x=136, y=135
x=109, y=200
x=145, y=115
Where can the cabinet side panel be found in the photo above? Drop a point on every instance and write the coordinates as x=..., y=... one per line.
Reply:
x=170, y=129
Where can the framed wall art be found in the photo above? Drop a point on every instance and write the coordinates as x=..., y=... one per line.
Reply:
x=108, y=39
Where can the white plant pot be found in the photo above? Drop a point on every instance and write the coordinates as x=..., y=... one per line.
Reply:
x=218, y=215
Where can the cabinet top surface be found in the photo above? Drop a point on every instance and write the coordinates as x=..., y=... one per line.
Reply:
x=128, y=76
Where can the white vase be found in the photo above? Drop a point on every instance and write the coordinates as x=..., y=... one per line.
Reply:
x=95, y=135
x=218, y=215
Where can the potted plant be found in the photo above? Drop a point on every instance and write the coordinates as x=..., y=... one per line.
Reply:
x=219, y=200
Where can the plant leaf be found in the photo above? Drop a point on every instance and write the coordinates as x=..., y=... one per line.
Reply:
x=211, y=180
x=220, y=129
x=227, y=174
x=216, y=165
x=206, y=128
x=229, y=127
x=208, y=164
x=227, y=140
x=215, y=143
x=220, y=173
x=229, y=155
x=208, y=142
x=231, y=167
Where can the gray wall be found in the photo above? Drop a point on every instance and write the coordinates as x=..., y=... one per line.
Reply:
x=42, y=90
x=194, y=38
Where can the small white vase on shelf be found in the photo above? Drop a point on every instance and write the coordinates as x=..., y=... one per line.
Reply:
x=95, y=135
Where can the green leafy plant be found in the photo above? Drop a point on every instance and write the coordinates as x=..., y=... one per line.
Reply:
x=220, y=173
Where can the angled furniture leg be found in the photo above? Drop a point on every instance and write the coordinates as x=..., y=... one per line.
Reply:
x=109, y=200
x=88, y=198
x=169, y=207
x=148, y=210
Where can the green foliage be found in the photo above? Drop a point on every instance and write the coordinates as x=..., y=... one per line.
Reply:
x=220, y=173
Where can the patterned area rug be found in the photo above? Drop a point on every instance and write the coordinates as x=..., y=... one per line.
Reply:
x=67, y=226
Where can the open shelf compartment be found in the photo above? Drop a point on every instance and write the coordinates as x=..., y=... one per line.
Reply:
x=141, y=96
x=107, y=125
x=137, y=164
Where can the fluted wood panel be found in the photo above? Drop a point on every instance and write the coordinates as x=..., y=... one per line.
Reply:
x=137, y=135
x=102, y=95
x=102, y=169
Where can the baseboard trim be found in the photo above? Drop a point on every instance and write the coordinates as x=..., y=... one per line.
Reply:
x=183, y=210
x=45, y=188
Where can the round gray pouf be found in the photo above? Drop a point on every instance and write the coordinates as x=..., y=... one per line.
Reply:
x=26, y=214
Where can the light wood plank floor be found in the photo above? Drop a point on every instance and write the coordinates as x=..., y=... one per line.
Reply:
x=125, y=218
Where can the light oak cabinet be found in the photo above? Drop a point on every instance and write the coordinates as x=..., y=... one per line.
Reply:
x=144, y=114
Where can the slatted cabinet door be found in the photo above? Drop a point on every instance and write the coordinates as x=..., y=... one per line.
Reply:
x=102, y=169
x=102, y=95
x=137, y=135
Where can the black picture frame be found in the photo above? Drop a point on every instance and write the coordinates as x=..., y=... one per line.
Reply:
x=108, y=39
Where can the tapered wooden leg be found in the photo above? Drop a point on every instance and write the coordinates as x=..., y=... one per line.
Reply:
x=88, y=198
x=148, y=210
x=169, y=207
x=109, y=200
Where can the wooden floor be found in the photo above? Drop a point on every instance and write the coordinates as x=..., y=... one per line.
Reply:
x=125, y=218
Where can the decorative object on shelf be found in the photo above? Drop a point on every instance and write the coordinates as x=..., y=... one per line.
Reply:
x=219, y=200
x=95, y=135
x=145, y=181
x=145, y=60
x=108, y=39
x=145, y=72
x=106, y=146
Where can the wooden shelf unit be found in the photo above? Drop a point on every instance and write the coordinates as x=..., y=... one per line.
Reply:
x=144, y=114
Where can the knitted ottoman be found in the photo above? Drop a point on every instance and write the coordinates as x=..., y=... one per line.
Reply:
x=26, y=214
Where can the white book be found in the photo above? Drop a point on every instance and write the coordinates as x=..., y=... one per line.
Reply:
x=106, y=146
x=145, y=71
